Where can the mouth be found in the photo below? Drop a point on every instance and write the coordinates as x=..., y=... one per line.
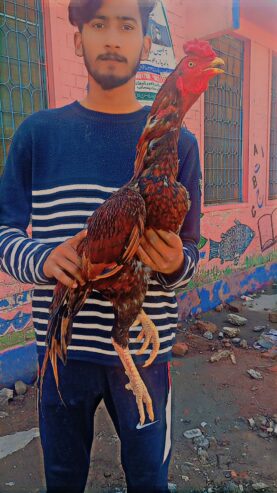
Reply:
x=111, y=58
x=215, y=66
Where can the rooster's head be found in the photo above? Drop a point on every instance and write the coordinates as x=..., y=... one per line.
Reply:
x=199, y=65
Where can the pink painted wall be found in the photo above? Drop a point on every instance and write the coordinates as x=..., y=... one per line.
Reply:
x=66, y=78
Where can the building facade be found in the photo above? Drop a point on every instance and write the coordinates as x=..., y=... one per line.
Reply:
x=235, y=123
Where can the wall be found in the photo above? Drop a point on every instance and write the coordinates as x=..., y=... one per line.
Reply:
x=246, y=234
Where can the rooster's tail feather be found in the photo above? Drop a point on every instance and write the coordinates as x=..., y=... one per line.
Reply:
x=66, y=304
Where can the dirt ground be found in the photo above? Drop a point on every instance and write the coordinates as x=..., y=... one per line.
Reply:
x=220, y=395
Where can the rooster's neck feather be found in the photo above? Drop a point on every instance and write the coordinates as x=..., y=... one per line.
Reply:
x=163, y=123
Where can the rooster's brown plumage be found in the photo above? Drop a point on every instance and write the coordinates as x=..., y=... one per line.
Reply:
x=153, y=198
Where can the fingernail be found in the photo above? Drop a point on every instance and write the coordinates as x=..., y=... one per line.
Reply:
x=74, y=285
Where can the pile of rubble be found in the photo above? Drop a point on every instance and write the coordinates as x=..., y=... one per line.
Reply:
x=223, y=340
x=264, y=426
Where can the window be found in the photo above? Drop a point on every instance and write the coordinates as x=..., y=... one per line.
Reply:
x=273, y=133
x=223, y=126
x=22, y=75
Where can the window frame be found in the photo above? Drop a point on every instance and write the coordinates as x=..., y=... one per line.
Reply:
x=245, y=135
x=269, y=201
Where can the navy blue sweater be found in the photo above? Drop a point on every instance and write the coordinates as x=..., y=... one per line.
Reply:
x=63, y=163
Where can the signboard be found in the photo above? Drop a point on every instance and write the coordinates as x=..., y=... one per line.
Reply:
x=161, y=61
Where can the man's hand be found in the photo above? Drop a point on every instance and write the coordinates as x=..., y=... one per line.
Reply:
x=161, y=251
x=64, y=264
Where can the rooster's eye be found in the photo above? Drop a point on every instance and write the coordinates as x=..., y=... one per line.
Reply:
x=191, y=64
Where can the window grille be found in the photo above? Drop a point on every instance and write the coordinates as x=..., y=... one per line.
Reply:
x=273, y=133
x=22, y=74
x=223, y=126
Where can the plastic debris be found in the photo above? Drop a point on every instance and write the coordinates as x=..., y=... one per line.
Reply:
x=195, y=432
x=266, y=340
x=12, y=443
x=255, y=374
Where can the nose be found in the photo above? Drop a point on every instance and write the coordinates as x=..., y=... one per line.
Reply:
x=113, y=39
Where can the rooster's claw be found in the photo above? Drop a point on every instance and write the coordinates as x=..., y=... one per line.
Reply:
x=142, y=397
x=136, y=384
x=150, y=334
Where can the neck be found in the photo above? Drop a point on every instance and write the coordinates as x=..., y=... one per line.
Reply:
x=163, y=123
x=115, y=101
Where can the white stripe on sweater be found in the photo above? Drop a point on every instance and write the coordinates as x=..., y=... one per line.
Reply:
x=65, y=188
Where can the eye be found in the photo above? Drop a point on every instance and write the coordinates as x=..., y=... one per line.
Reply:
x=191, y=64
x=98, y=25
x=127, y=27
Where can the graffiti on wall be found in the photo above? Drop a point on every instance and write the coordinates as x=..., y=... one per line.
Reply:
x=202, y=242
x=266, y=222
x=15, y=300
x=233, y=243
x=15, y=318
x=267, y=227
x=255, y=182
x=14, y=322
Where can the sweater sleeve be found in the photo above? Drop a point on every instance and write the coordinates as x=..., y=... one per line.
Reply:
x=190, y=177
x=20, y=256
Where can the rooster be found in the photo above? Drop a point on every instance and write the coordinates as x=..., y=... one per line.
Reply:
x=152, y=199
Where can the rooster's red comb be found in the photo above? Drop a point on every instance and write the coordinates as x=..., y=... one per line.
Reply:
x=199, y=48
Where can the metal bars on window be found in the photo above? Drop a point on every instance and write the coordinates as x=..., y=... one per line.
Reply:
x=273, y=133
x=223, y=126
x=23, y=74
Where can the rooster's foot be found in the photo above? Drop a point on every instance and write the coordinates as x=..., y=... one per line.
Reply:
x=136, y=384
x=150, y=334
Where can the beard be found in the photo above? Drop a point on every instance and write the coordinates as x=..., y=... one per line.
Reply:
x=111, y=81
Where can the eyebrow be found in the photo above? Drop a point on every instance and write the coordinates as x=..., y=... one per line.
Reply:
x=120, y=17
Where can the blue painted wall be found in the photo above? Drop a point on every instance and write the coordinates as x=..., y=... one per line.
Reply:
x=20, y=363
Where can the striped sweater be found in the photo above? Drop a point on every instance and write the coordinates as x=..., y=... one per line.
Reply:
x=63, y=163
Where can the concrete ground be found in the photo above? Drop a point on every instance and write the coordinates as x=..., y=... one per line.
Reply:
x=221, y=396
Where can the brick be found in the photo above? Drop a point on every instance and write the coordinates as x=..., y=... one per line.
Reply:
x=76, y=93
x=272, y=316
x=69, y=80
x=81, y=82
x=204, y=326
x=235, y=306
x=76, y=68
x=180, y=349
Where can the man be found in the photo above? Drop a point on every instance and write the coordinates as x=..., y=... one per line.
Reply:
x=62, y=164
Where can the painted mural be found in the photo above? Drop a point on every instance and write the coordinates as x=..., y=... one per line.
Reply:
x=267, y=227
x=240, y=238
x=16, y=325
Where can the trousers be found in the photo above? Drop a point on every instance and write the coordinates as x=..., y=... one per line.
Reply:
x=67, y=425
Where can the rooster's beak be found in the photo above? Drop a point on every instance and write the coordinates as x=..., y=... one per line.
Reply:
x=215, y=65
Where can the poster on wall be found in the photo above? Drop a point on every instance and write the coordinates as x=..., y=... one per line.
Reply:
x=161, y=61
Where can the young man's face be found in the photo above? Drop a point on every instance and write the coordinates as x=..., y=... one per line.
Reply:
x=112, y=43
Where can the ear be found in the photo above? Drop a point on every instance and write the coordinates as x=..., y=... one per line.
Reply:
x=78, y=43
x=147, y=43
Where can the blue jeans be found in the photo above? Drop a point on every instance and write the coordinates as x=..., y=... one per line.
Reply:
x=67, y=430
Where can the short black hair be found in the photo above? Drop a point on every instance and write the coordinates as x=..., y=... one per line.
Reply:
x=82, y=11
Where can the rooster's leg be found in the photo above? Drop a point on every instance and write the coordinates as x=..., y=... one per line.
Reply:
x=150, y=334
x=136, y=383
